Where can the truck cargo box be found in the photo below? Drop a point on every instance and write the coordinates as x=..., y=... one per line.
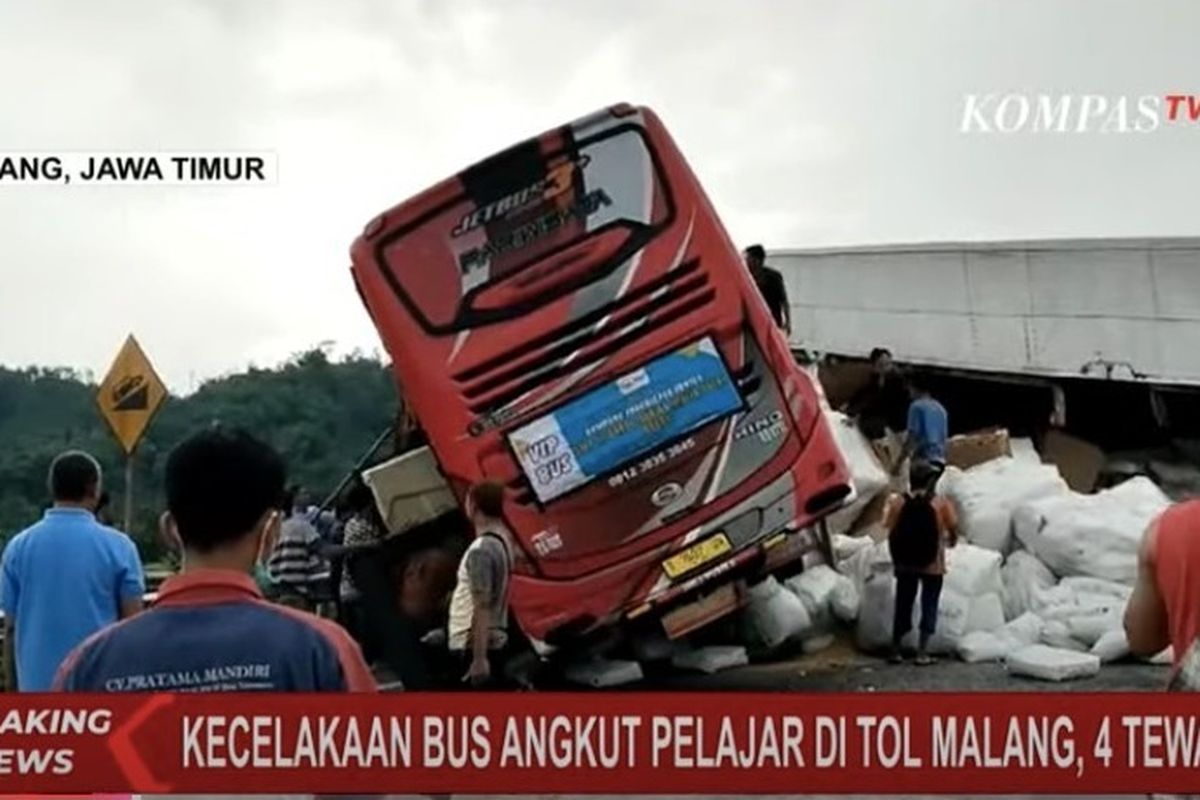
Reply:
x=409, y=490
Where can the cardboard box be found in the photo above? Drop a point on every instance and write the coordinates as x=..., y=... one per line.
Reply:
x=1078, y=461
x=843, y=380
x=971, y=449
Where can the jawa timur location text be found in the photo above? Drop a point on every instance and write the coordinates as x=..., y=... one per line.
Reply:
x=134, y=168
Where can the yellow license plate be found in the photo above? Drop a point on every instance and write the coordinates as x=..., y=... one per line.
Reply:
x=697, y=555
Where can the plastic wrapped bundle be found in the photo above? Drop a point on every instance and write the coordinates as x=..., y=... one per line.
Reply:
x=1092, y=535
x=987, y=495
x=1052, y=664
x=1023, y=576
x=775, y=615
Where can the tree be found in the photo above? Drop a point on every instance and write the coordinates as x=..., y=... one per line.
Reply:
x=320, y=414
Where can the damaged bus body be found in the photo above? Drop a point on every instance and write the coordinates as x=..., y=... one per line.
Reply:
x=570, y=318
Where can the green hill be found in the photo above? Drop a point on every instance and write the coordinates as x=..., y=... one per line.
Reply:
x=320, y=414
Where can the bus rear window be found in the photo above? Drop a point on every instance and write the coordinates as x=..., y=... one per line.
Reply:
x=575, y=213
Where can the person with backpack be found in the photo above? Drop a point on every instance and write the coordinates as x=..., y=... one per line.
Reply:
x=919, y=527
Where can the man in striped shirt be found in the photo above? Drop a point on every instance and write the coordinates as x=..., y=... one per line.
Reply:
x=298, y=565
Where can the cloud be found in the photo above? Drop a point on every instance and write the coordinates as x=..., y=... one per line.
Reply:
x=809, y=123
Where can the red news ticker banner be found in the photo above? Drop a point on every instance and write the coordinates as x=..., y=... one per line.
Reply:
x=728, y=743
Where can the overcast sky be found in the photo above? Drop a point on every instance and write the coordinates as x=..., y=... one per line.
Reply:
x=809, y=123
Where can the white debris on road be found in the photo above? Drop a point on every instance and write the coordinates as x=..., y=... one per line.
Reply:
x=710, y=659
x=1052, y=664
x=601, y=673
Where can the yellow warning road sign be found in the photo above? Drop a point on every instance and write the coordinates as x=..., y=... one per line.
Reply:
x=130, y=395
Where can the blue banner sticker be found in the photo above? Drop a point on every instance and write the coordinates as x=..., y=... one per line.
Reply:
x=615, y=423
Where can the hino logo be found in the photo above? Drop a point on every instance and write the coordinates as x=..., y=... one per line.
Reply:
x=557, y=181
x=1069, y=113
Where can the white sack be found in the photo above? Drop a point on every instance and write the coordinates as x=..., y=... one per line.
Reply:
x=815, y=586
x=972, y=570
x=1091, y=535
x=602, y=673
x=981, y=645
x=1057, y=634
x=867, y=475
x=711, y=659
x=1024, y=630
x=1052, y=664
x=1022, y=577
x=954, y=611
x=844, y=547
x=775, y=615
x=1097, y=586
x=986, y=613
x=1112, y=646
x=874, y=629
x=844, y=602
x=866, y=562
x=1091, y=627
x=817, y=643
x=1063, y=602
x=986, y=496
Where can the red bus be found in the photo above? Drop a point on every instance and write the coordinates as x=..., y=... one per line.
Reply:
x=569, y=317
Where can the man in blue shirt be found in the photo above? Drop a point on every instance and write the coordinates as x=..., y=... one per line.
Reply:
x=928, y=427
x=64, y=578
x=210, y=629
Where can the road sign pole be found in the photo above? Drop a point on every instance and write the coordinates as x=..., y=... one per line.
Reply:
x=129, y=396
x=129, y=493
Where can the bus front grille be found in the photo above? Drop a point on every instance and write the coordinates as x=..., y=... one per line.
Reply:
x=493, y=384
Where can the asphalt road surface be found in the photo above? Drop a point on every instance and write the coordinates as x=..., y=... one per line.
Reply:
x=843, y=669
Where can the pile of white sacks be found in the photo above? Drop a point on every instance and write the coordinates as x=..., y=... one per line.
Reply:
x=804, y=609
x=1070, y=558
x=1039, y=579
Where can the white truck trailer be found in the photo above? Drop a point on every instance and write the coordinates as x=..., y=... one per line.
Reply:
x=1118, y=309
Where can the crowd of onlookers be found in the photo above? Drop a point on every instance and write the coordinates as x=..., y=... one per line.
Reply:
x=257, y=562
x=72, y=588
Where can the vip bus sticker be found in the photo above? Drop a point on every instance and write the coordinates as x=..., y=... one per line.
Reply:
x=543, y=448
x=554, y=470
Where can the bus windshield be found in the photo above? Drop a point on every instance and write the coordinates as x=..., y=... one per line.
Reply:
x=528, y=227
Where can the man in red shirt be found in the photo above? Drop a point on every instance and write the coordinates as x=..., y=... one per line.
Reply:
x=1164, y=608
x=211, y=629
